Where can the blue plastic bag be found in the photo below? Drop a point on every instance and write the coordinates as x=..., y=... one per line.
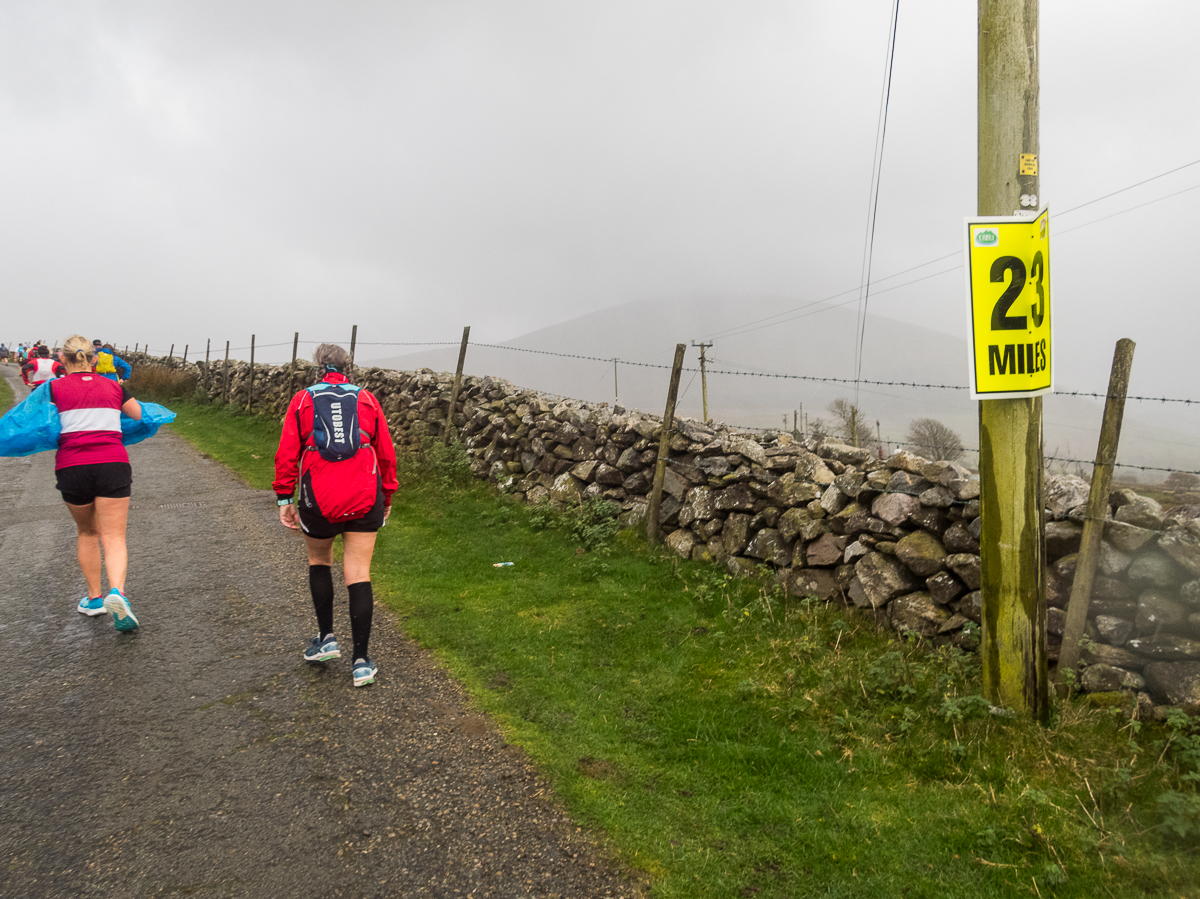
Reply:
x=153, y=416
x=33, y=426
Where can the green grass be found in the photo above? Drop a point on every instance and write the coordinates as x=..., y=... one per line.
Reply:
x=7, y=400
x=731, y=743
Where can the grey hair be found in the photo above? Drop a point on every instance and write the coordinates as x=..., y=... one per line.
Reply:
x=332, y=355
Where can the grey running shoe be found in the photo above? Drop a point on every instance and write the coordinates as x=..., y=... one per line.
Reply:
x=364, y=672
x=321, y=649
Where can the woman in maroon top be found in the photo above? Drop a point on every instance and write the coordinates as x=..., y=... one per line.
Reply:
x=94, y=475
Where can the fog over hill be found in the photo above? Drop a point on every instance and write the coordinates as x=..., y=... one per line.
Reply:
x=819, y=345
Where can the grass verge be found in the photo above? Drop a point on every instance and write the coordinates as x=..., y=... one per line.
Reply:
x=730, y=742
x=7, y=399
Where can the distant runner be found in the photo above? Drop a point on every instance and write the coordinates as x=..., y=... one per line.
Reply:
x=109, y=364
x=41, y=368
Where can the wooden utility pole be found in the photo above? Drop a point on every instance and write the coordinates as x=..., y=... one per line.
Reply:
x=1012, y=549
x=1093, y=526
x=458, y=373
x=704, y=380
x=653, y=529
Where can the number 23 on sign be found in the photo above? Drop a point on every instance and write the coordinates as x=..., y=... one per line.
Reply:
x=1008, y=294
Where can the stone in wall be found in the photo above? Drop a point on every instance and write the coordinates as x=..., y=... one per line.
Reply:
x=883, y=578
x=922, y=553
x=1175, y=683
x=917, y=613
x=1141, y=511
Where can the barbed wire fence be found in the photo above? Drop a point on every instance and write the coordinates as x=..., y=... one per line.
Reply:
x=888, y=440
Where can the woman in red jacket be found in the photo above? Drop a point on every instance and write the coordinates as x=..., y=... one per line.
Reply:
x=337, y=446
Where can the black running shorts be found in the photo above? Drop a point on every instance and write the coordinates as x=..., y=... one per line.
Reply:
x=320, y=528
x=81, y=484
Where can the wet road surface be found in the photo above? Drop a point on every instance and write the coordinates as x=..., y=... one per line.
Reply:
x=201, y=756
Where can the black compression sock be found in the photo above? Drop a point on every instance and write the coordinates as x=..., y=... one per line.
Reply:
x=320, y=582
x=362, y=605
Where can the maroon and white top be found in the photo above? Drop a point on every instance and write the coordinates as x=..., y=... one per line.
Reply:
x=89, y=407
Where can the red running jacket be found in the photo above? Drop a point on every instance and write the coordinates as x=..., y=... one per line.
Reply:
x=297, y=455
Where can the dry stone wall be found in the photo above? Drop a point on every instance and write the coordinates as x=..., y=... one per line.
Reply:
x=897, y=538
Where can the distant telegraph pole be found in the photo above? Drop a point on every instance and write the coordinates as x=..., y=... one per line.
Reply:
x=1012, y=548
x=704, y=379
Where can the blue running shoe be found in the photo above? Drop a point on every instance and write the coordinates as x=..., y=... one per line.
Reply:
x=364, y=672
x=123, y=617
x=91, y=607
x=322, y=648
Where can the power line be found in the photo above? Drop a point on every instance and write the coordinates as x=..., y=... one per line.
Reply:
x=1131, y=187
x=748, y=327
x=1130, y=209
x=873, y=217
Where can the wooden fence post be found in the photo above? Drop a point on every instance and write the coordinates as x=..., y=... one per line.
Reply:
x=185, y=349
x=1093, y=525
x=225, y=384
x=353, y=341
x=653, y=528
x=458, y=373
x=292, y=367
x=171, y=355
x=250, y=383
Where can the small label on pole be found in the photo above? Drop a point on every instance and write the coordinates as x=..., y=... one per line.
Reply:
x=1028, y=164
x=1008, y=301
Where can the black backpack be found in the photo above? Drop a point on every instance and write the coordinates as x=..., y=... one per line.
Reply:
x=335, y=434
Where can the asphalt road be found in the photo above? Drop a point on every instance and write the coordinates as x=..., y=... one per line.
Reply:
x=201, y=756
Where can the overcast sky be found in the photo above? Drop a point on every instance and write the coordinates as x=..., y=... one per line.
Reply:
x=177, y=171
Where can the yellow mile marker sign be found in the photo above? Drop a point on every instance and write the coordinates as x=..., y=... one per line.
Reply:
x=1008, y=291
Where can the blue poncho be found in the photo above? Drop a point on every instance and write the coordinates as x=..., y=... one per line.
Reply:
x=32, y=426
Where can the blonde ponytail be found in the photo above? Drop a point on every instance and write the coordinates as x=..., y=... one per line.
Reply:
x=78, y=350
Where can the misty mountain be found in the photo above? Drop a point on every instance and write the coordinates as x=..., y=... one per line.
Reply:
x=574, y=358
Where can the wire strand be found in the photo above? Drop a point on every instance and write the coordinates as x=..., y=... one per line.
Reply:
x=877, y=173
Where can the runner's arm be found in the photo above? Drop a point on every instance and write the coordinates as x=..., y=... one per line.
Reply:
x=287, y=456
